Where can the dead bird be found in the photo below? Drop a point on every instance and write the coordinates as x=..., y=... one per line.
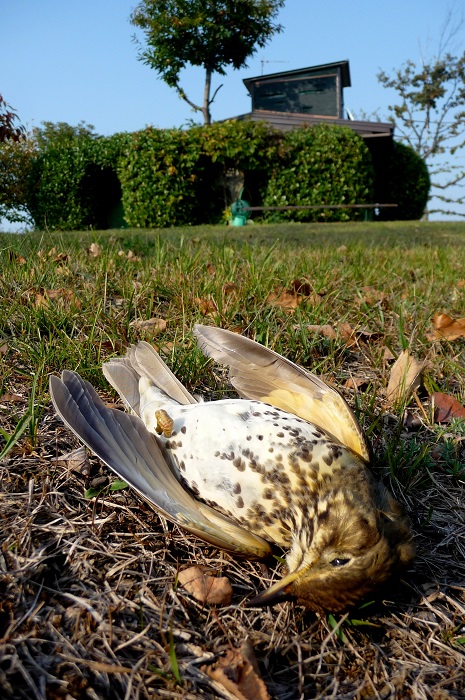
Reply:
x=285, y=464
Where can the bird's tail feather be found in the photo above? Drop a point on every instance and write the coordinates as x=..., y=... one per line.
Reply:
x=142, y=360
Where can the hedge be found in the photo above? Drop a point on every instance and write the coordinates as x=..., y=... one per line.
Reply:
x=321, y=164
x=407, y=183
x=173, y=177
x=159, y=178
x=74, y=185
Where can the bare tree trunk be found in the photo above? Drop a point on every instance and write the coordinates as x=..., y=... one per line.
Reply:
x=206, y=97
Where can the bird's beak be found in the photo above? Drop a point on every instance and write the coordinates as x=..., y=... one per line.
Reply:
x=279, y=591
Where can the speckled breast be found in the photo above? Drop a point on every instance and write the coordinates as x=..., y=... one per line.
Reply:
x=258, y=464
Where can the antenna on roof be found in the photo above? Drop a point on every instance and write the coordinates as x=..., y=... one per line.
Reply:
x=264, y=60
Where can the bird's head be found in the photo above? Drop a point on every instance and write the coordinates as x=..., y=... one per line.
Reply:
x=351, y=552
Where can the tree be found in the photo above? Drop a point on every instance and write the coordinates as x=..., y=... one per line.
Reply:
x=212, y=34
x=10, y=127
x=15, y=158
x=431, y=117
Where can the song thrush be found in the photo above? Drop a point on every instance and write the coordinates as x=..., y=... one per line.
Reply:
x=287, y=463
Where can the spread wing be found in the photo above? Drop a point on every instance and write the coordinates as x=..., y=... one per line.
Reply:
x=127, y=447
x=259, y=373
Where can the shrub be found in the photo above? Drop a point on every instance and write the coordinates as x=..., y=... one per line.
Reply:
x=72, y=182
x=173, y=177
x=159, y=176
x=323, y=164
x=16, y=159
x=406, y=183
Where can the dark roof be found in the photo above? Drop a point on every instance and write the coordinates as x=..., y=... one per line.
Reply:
x=285, y=121
x=343, y=65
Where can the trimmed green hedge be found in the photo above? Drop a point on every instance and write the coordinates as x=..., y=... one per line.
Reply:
x=160, y=178
x=407, y=183
x=173, y=177
x=321, y=164
x=74, y=185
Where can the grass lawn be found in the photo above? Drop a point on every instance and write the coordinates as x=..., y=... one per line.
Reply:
x=89, y=601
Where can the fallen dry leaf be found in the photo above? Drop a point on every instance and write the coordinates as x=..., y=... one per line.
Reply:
x=237, y=673
x=11, y=398
x=371, y=296
x=444, y=326
x=446, y=407
x=301, y=285
x=356, y=382
x=230, y=288
x=208, y=589
x=77, y=460
x=151, y=325
x=288, y=301
x=94, y=250
x=326, y=330
x=388, y=354
x=132, y=257
x=66, y=297
x=206, y=306
x=404, y=377
x=16, y=257
x=344, y=332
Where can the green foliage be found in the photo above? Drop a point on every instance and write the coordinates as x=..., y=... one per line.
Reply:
x=53, y=135
x=173, y=177
x=323, y=164
x=160, y=176
x=212, y=34
x=407, y=184
x=72, y=181
x=15, y=164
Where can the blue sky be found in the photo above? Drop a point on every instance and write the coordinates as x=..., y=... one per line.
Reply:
x=69, y=60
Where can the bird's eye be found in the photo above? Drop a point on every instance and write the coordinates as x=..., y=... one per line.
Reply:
x=339, y=562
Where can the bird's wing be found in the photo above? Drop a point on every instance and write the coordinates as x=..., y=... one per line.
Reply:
x=142, y=360
x=126, y=446
x=259, y=373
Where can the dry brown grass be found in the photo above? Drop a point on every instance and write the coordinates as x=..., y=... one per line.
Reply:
x=89, y=602
x=90, y=606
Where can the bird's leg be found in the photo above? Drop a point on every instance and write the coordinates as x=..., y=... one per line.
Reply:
x=164, y=423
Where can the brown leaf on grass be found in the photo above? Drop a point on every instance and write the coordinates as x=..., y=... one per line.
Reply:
x=230, y=288
x=132, y=257
x=238, y=674
x=388, y=354
x=446, y=407
x=211, y=269
x=370, y=296
x=65, y=297
x=404, y=378
x=3, y=348
x=445, y=327
x=302, y=286
x=208, y=589
x=94, y=250
x=356, y=382
x=77, y=460
x=16, y=257
x=11, y=398
x=289, y=299
x=206, y=306
x=326, y=329
x=284, y=299
x=154, y=326
x=344, y=332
